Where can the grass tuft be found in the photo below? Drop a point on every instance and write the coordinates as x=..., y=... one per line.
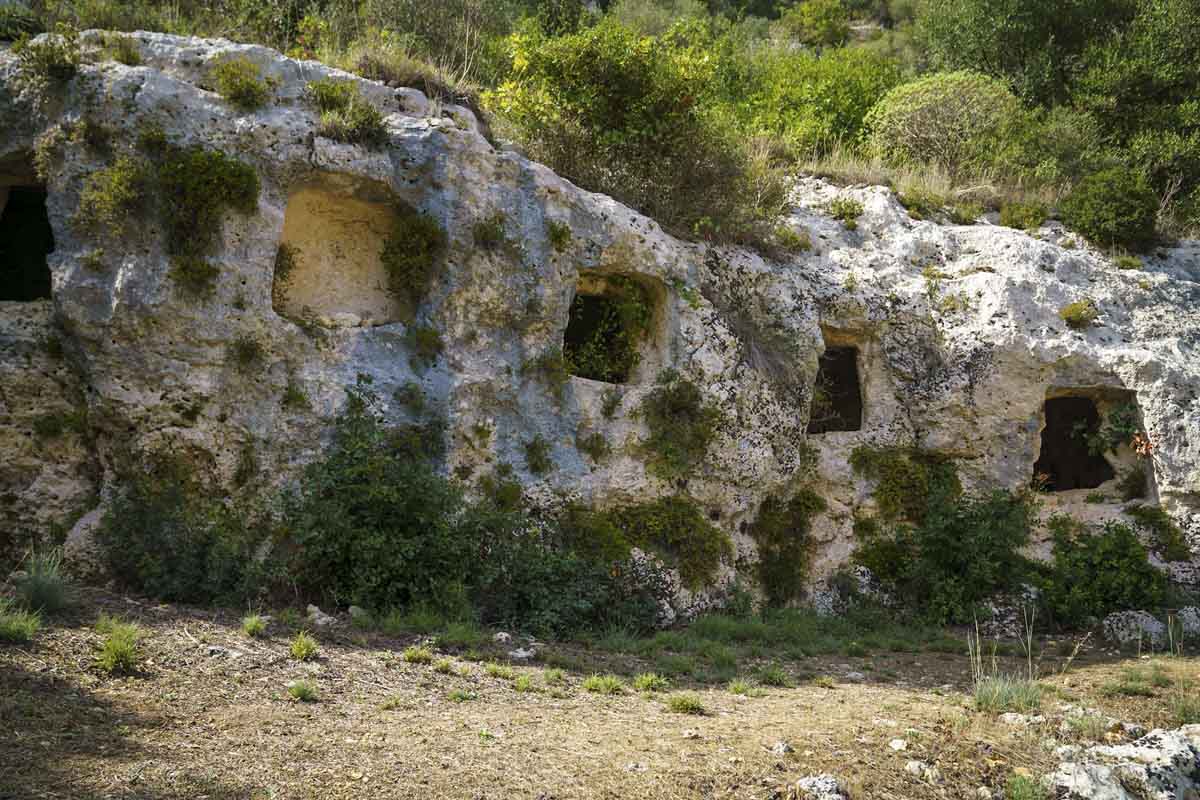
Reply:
x=604, y=684
x=417, y=655
x=651, y=682
x=686, y=703
x=998, y=693
x=254, y=626
x=17, y=625
x=44, y=588
x=119, y=652
x=304, y=647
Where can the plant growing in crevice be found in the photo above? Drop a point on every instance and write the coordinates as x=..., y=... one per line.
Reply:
x=294, y=397
x=247, y=354
x=1132, y=485
x=411, y=397
x=682, y=425
x=110, y=196
x=551, y=367
x=240, y=81
x=908, y=481
x=559, y=234
x=410, y=256
x=488, y=233
x=594, y=444
x=537, y=455
x=346, y=116
x=286, y=260
x=781, y=534
x=1168, y=538
x=847, y=210
x=247, y=465
x=604, y=331
x=122, y=48
x=1080, y=315
x=53, y=59
x=425, y=345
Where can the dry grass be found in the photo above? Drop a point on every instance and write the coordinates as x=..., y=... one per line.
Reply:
x=195, y=720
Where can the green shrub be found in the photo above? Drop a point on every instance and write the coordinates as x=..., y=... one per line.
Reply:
x=908, y=481
x=595, y=445
x=1023, y=216
x=537, y=455
x=774, y=675
x=43, y=588
x=1128, y=262
x=677, y=530
x=167, y=534
x=112, y=196
x=17, y=21
x=686, y=703
x=122, y=49
x=411, y=256
x=57, y=423
x=630, y=118
x=346, y=116
x=1095, y=573
x=1025, y=787
x=304, y=647
x=1132, y=485
x=682, y=425
x=240, y=81
x=847, y=210
x=254, y=626
x=781, y=534
x=461, y=696
x=953, y=119
x=17, y=625
x=1080, y=315
x=1169, y=540
x=302, y=691
x=119, y=652
x=1113, y=208
x=607, y=348
x=818, y=23
x=603, y=684
x=53, y=59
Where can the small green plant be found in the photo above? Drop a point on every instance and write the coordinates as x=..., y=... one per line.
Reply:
x=1185, y=708
x=240, y=81
x=411, y=396
x=603, y=684
x=286, y=261
x=650, y=682
x=1132, y=485
x=559, y=234
x=302, y=691
x=425, y=344
x=488, y=233
x=847, y=210
x=461, y=696
x=501, y=671
x=604, y=331
x=56, y=423
x=444, y=666
x=793, y=240
x=17, y=625
x=411, y=255
x=997, y=693
x=1169, y=540
x=122, y=49
x=551, y=367
x=346, y=116
x=554, y=676
x=610, y=402
x=1080, y=315
x=111, y=196
x=1113, y=208
x=1025, y=787
x=1023, y=216
x=824, y=682
x=682, y=425
x=595, y=445
x=537, y=455
x=686, y=703
x=1089, y=727
x=119, y=652
x=774, y=675
x=524, y=683
x=294, y=397
x=53, y=59
x=417, y=655
x=781, y=534
x=254, y=626
x=304, y=647
x=43, y=588
x=1096, y=497
x=1127, y=262
x=247, y=354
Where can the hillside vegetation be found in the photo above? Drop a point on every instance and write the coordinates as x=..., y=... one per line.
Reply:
x=695, y=112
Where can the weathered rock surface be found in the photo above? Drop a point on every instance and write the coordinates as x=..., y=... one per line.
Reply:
x=1162, y=765
x=957, y=329
x=1134, y=627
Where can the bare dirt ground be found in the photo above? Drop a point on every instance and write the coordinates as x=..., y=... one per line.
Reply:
x=208, y=715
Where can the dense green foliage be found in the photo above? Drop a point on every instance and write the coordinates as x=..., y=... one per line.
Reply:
x=346, y=115
x=240, y=81
x=1096, y=572
x=681, y=425
x=781, y=534
x=411, y=255
x=908, y=481
x=1168, y=538
x=1114, y=207
x=608, y=350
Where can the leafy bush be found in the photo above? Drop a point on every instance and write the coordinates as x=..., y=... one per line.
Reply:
x=781, y=533
x=17, y=21
x=1095, y=573
x=952, y=119
x=674, y=528
x=410, y=256
x=110, y=196
x=346, y=116
x=166, y=534
x=908, y=481
x=1113, y=208
x=1132, y=485
x=682, y=426
x=631, y=116
x=1023, y=216
x=240, y=81
x=1080, y=315
x=1169, y=540
x=819, y=23
x=847, y=210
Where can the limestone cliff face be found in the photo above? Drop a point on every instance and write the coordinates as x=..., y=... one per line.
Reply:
x=956, y=335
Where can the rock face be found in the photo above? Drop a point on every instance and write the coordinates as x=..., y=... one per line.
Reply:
x=1162, y=765
x=954, y=331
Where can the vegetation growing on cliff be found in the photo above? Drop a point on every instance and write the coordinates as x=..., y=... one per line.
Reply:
x=682, y=425
x=781, y=534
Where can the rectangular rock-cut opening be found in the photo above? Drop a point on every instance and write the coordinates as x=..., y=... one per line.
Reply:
x=837, y=403
x=607, y=328
x=331, y=259
x=1069, y=457
x=26, y=239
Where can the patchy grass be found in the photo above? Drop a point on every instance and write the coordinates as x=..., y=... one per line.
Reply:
x=304, y=647
x=501, y=671
x=604, y=684
x=254, y=626
x=417, y=655
x=686, y=703
x=17, y=625
x=650, y=682
x=998, y=693
x=44, y=588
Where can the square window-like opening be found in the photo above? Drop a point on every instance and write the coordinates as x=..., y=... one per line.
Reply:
x=25, y=240
x=837, y=397
x=606, y=330
x=1067, y=459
